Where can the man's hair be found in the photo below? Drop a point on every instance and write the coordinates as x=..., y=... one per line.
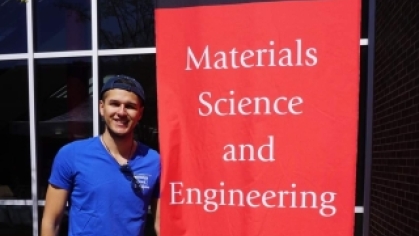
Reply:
x=125, y=83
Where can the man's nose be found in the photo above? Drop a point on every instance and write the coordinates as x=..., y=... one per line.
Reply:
x=122, y=110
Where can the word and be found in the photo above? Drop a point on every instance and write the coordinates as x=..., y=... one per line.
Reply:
x=247, y=152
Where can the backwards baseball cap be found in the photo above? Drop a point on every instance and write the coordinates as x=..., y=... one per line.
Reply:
x=123, y=82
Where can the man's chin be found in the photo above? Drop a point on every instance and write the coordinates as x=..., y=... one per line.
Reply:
x=121, y=132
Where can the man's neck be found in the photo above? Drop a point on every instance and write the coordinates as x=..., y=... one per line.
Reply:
x=119, y=147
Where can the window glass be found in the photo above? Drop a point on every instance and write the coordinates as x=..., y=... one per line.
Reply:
x=15, y=166
x=15, y=220
x=364, y=18
x=61, y=25
x=126, y=24
x=13, y=36
x=63, y=108
x=359, y=224
x=360, y=168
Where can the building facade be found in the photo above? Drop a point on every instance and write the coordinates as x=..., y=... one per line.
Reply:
x=394, y=184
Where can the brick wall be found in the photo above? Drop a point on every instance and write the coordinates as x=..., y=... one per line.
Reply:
x=395, y=161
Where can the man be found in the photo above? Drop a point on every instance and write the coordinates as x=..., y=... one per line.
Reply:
x=111, y=180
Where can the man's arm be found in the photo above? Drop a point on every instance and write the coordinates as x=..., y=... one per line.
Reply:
x=55, y=203
x=155, y=211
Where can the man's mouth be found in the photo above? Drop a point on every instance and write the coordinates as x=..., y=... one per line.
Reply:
x=121, y=122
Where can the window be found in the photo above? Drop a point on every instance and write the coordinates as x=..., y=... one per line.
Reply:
x=15, y=165
x=126, y=24
x=62, y=25
x=63, y=108
x=12, y=27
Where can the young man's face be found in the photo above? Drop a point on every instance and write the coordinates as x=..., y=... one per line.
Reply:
x=121, y=111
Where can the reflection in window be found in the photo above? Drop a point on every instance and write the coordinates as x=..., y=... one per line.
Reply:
x=126, y=24
x=364, y=18
x=358, y=224
x=360, y=168
x=61, y=25
x=15, y=220
x=63, y=108
x=15, y=168
x=142, y=68
x=12, y=27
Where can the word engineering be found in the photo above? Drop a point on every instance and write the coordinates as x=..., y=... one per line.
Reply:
x=212, y=199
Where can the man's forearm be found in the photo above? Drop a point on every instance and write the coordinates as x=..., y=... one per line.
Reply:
x=49, y=228
x=157, y=228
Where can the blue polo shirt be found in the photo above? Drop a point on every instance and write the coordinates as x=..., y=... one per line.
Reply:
x=103, y=199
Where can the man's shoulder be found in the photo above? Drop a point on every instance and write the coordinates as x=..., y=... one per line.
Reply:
x=80, y=144
x=147, y=151
x=148, y=154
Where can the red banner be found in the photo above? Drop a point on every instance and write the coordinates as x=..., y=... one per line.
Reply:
x=258, y=116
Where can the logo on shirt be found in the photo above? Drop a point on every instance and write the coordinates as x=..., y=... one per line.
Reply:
x=143, y=180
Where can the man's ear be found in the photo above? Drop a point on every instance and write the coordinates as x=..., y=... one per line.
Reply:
x=101, y=104
x=140, y=115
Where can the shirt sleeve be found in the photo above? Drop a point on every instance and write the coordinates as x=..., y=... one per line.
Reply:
x=63, y=169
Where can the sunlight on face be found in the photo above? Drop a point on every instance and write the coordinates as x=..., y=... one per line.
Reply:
x=121, y=111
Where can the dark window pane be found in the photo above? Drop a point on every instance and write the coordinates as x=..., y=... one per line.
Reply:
x=62, y=25
x=142, y=68
x=15, y=168
x=364, y=18
x=126, y=24
x=63, y=106
x=358, y=224
x=360, y=169
x=15, y=220
x=13, y=27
